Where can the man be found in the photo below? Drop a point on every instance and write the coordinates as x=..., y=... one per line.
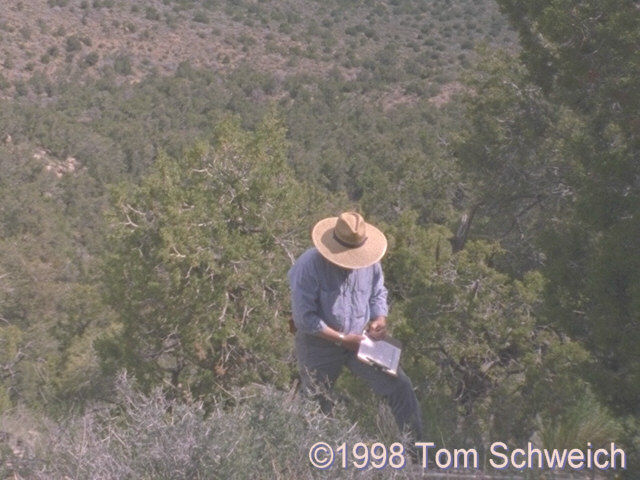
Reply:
x=338, y=293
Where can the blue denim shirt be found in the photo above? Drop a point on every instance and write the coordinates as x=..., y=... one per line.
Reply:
x=323, y=294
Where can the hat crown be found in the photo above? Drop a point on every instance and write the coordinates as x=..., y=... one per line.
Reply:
x=350, y=229
x=348, y=241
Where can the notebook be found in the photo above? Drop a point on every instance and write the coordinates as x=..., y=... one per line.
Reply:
x=383, y=354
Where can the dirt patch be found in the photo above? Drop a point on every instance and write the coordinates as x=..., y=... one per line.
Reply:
x=446, y=93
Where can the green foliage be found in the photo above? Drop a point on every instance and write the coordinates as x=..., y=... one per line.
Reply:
x=11, y=343
x=515, y=173
x=388, y=161
x=47, y=298
x=558, y=128
x=587, y=422
x=73, y=43
x=201, y=17
x=542, y=169
x=91, y=59
x=198, y=257
x=122, y=65
x=584, y=56
x=483, y=365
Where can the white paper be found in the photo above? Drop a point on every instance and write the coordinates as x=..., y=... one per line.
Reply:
x=384, y=354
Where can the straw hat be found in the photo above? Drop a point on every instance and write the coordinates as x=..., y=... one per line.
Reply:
x=348, y=241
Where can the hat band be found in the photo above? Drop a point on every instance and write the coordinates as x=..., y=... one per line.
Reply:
x=347, y=244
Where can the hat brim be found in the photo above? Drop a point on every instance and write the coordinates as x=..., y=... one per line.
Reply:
x=370, y=252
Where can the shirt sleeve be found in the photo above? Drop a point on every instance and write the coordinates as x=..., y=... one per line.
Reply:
x=305, y=291
x=378, y=303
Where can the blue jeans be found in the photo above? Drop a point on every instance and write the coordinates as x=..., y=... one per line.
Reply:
x=320, y=363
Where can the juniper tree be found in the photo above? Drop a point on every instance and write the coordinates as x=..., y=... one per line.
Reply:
x=197, y=264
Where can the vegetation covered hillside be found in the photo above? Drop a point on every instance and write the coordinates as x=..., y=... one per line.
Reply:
x=162, y=162
x=75, y=40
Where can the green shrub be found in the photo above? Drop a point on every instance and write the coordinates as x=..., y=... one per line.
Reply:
x=73, y=43
x=92, y=58
x=122, y=65
x=200, y=17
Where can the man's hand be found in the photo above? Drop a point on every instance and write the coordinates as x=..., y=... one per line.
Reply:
x=352, y=341
x=378, y=328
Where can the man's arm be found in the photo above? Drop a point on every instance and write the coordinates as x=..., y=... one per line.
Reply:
x=350, y=341
x=304, y=295
x=306, y=319
x=305, y=288
x=377, y=328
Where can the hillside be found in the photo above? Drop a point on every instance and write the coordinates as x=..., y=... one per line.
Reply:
x=402, y=41
x=162, y=162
